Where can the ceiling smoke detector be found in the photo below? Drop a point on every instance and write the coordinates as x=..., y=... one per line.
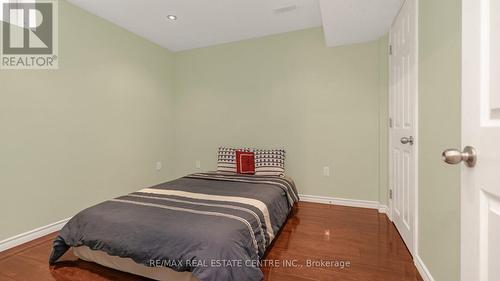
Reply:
x=285, y=9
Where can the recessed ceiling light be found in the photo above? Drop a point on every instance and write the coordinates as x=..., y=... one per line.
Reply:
x=172, y=17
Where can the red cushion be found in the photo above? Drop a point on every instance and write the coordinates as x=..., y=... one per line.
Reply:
x=245, y=162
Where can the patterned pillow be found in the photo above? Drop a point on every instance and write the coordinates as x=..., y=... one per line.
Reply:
x=226, y=159
x=245, y=162
x=269, y=162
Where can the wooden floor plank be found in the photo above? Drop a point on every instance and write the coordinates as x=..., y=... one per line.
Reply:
x=5, y=278
x=315, y=232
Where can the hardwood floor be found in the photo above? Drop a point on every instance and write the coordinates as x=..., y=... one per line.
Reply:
x=315, y=232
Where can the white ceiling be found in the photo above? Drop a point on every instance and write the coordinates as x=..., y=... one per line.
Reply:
x=204, y=23
x=356, y=21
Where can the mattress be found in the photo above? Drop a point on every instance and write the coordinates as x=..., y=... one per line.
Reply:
x=129, y=266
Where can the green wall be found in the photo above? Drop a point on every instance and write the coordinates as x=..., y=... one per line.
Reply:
x=439, y=184
x=89, y=131
x=323, y=105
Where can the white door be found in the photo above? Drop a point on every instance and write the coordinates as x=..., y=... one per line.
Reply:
x=480, y=191
x=403, y=109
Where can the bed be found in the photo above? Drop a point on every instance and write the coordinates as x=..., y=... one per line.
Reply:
x=204, y=226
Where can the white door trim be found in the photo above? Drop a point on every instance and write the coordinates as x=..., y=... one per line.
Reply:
x=417, y=143
x=416, y=136
x=471, y=68
x=475, y=88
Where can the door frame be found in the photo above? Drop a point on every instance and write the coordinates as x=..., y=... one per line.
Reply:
x=416, y=133
x=472, y=57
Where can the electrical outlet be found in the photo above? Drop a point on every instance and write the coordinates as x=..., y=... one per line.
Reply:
x=159, y=165
x=198, y=164
x=326, y=171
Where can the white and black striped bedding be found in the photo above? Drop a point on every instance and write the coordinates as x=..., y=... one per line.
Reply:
x=204, y=217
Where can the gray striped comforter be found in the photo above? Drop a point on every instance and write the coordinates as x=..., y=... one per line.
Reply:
x=215, y=225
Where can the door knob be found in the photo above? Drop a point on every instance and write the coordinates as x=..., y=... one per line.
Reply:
x=455, y=156
x=405, y=140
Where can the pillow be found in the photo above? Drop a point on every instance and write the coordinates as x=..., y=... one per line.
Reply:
x=245, y=162
x=269, y=162
x=226, y=159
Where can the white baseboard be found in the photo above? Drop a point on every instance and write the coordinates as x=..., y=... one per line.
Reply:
x=344, y=202
x=383, y=209
x=31, y=235
x=422, y=269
